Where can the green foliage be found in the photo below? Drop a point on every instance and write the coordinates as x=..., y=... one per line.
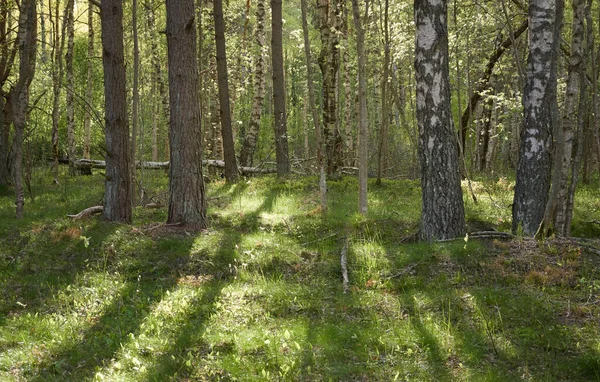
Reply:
x=258, y=295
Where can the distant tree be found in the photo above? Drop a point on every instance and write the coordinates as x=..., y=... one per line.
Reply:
x=117, y=190
x=280, y=120
x=363, y=136
x=187, y=202
x=540, y=116
x=231, y=170
x=89, y=83
x=442, y=215
x=70, y=74
x=27, y=60
x=251, y=136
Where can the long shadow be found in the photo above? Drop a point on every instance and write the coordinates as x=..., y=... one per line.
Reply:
x=148, y=278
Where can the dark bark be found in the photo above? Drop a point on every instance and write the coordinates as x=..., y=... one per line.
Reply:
x=8, y=53
x=70, y=99
x=442, y=215
x=540, y=117
x=231, y=171
x=280, y=117
x=5, y=122
x=27, y=57
x=117, y=194
x=385, y=102
x=187, y=203
x=89, y=84
x=135, y=99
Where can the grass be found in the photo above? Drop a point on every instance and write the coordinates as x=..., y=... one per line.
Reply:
x=258, y=295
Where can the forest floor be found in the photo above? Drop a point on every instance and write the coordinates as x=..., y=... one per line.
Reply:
x=259, y=294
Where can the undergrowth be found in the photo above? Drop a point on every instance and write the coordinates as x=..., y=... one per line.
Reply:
x=258, y=295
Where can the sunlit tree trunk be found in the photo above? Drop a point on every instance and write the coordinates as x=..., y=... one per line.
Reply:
x=27, y=57
x=329, y=61
x=251, y=137
x=363, y=133
x=89, y=84
x=70, y=99
x=231, y=171
x=117, y=186
x=57, y=76
x=540, y=116
x=442, y=215
x=187, y=203
x=8, y=53
x=280, y=116
x=313, y=109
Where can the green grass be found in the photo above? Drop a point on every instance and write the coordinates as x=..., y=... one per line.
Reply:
x=258, y=295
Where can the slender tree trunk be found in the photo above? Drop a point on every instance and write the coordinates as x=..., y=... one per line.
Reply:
x=5, y=121
x=89, y=84
x=231, y=171
x=117, y=186
x=187, y=203
x=313, y=109
x=57, y=75
x=280, y=117
x=385, y=120
x=442, y=215
x=27, y=55
x=249, y=145
x=135, y=99
x=484, y=134
x=595, y=58
x=363, y=133
x=70, y=99
x=540, y=116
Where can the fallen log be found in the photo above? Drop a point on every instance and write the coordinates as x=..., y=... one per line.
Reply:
x=87, y=212
x=94, y=163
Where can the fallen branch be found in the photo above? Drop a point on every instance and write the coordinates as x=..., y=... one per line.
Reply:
x=491, y=235
x=405, y=270
x=344, y=264
x=87, y=212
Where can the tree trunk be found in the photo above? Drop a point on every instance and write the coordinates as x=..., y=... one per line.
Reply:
x=135, y=99
x=540, y=116
x=117, y=194
x=5, y=122
x=187, y=203
x=249, y=145
x=442, y=215
x=280, y=117
x=313, y=109
x=329, y=61
x=158, y=77
x=89, y=84
x=57, y=75
x=231, y=171
x=27, y=55
x=385, y=121
x=70, y=101
x=363, y=133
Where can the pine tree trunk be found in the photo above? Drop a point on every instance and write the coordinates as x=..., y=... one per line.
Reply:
x=385, y=121
x=363, y=134
x=70, y=101
x=442, y=215
x=187, y=204
x=117, y=186
x=27, y=56
x=89, y=84
x=57, y=75
x=135, y=100
x=280, y=117
x=249, y=145
x=231, y=171
x=540, y=116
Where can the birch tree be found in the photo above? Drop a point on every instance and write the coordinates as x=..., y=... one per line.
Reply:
x=540, y=116
x=442, y=215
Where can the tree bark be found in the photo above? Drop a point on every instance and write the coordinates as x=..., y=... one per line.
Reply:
x=187, y=203
x=363, y=133
x=442, y=215
x=249, y=145
x=27, y=55
x=385, y=121
x=231, y=171
x=57, y=76
x=135, y=99
x=540, y=116
x=280, y=117
x=70, y=99
x=313, y=109
x=117, y=194
x=89, y=84
x=329, y=61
